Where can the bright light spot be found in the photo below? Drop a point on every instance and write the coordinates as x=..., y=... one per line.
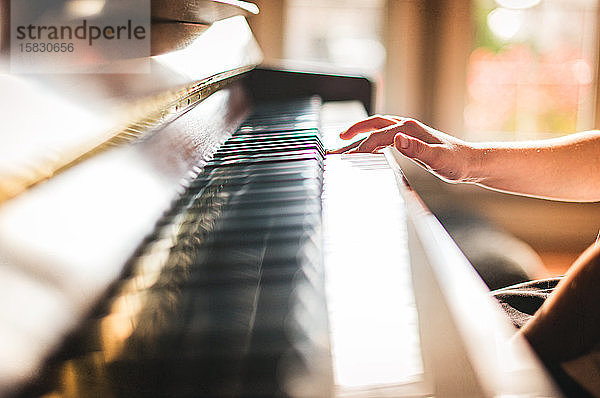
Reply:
x=84, y=8
x=582, y=71
x=518, y=4
x=505, y=23
x=368, y=311
x=215, y=50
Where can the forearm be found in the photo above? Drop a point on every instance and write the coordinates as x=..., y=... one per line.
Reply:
x=568, y=324
x=566, y=168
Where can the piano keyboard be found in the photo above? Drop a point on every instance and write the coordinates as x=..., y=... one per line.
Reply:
x=232, y=294
x=226, y=297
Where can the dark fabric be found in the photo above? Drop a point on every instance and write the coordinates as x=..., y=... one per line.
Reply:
x=521, y=301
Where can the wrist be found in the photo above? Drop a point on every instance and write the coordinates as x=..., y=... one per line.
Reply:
x=475, y=158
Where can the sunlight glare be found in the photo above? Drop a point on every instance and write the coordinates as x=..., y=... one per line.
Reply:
x=518, y=4
x=582, y=71
x=505, y=23
x=84, y=8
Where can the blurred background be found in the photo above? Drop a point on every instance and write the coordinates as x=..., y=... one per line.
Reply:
x=478, y=69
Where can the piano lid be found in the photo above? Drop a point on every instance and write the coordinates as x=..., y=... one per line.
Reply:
x=52, y=121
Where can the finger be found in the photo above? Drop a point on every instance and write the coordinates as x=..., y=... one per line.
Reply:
x=415, y=128
x=438, y=159
x=346, y=148
x=420, y=131
x=385, y=136
x=378, y=138
x=373, y=123
x=416, y=149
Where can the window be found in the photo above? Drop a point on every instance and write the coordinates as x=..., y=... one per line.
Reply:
x=341, y=33
x=532, y=72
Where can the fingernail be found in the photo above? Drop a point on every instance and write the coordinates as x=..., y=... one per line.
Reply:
x=403, y=141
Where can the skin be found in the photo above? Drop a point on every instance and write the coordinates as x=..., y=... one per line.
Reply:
x=565, y=168
x=568, y=324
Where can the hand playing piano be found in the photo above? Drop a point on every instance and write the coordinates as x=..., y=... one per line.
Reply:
x=451, y=159
x=562, y=168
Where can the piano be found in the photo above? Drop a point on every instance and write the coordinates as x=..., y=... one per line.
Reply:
x=181, y=233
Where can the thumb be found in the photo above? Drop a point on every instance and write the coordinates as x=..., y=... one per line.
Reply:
x=414, y=148
x=436, y=158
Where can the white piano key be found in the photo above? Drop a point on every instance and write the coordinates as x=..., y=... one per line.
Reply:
x=374, y=332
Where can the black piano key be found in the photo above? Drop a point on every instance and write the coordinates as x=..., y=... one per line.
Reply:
x=267, y=140
x=255, y=133
x=222, y=252
x=226, y=195
x=264, y=136
x=278, y=211
x=268, y=198
x=237, y=179
x=295, y=241
x=237, y=188
x=268, y=128
x=281, y=157
x=282, y=199
x=275, y=223
x=291, y=206
x=250, y=153
x=268, y=137
x=300, y=163
x=251, y=145
x=308, y=165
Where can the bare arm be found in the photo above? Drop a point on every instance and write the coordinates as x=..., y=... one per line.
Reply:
x=568, y=324
x=566, y=168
